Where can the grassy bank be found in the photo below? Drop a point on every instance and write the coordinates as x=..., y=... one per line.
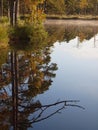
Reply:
x=81, y=17
x=3, y=35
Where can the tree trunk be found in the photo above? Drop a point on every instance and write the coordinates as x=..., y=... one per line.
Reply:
x=13, y=12
x=16, y=11
x=11, y=5
x=1, y=8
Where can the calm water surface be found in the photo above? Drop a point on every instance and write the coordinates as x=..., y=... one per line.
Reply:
x=77, y=79
x=67, y=70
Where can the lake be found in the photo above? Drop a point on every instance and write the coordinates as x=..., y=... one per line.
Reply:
x=58, y=84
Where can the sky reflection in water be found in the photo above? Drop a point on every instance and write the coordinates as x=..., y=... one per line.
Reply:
x=76, y=78
x=75, y=62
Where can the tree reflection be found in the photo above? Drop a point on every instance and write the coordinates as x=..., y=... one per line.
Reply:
x=31, y=73
x=38, y=112
x=69, y=32
x=35, y=75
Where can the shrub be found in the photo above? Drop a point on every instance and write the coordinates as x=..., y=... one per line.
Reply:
x=3, y=34
x=4, y=20
x=27, y=36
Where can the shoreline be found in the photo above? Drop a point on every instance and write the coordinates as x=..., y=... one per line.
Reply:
x=72, y=17
x=77, y=22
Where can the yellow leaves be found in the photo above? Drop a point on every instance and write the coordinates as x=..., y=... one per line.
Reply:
x=83, y=4
x=32, y=4
x=37, y=14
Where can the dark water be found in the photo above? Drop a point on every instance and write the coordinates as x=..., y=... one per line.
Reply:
x=66, y=70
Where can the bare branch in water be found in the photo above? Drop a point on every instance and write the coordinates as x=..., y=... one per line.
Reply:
x=43, y=108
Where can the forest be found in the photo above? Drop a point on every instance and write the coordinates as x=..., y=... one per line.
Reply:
x=67, y=7
x=72, y=7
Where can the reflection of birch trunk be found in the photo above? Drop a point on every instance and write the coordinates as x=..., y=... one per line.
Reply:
x=14, y=89
x=94, y=41
x=78, y=41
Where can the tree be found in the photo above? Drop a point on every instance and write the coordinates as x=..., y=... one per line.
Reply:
x=72, y=6
x=34, y=13
x=55, y=7
x=93, y=4
x=83, y=5
x=35, y=10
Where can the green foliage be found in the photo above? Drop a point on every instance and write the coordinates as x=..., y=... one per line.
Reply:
x=55, y=7
x=71, y=7
x=35, y=8
x=3, y=34
x=3, y=20
x=27, y=37
x=3, y=55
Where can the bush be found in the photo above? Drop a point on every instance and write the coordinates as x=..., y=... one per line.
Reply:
x=3, y=34
x=4, y=20
x=27, y=36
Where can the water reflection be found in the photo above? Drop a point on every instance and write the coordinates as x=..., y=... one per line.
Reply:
x=34, y=72
x=78, y=66
x=68, y=32
x=31, y=74
x=35, y=75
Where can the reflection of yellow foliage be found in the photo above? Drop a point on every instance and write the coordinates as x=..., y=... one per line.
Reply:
x=38, y=75
x=38, y=80
x=33, y=65
x=81, y=36
x=37, y=83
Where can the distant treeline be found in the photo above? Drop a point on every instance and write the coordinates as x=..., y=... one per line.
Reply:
x=72, y=7
x=67, y=7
